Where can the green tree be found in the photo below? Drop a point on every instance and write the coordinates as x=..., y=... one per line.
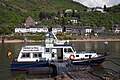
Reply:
x=1, y=31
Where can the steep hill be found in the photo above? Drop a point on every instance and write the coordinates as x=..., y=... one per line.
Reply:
x=115, y=8
x=42, y=5
x=14, y=11
x=98, y=19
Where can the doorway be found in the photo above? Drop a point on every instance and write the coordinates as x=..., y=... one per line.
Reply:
x=60, y=53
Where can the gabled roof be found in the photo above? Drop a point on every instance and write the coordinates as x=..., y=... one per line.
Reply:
x=29, y=19
x=56, y=26
x=38, y=27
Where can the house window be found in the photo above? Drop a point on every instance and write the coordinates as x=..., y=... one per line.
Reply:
x=25, y=55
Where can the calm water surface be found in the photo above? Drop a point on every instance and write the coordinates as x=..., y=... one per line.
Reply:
x=113, y=48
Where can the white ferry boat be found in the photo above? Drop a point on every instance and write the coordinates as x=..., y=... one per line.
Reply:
x=53, y=50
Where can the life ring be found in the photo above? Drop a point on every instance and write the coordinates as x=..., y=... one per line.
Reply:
x=72, y=57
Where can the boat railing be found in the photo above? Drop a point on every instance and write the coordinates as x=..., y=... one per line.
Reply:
x=42, y=59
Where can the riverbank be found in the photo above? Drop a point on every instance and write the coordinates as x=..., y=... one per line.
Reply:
x=21, y=41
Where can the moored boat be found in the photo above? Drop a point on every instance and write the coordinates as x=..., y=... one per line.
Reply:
x=53, y=50
x=89, y=58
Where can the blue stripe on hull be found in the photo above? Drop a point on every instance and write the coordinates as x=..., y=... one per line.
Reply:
x=89, y=62
x=25, y=65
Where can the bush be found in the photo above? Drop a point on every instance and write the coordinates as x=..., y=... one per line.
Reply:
x=21, y=77
x=35, y=38
x=67, y=38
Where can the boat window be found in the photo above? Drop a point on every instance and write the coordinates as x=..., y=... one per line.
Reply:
x=77, y=55
x=25, y=55
x=86, y=55
x=65, y=50
x=70, y=50
x=47, y=50
x=90, y=56
x=52, y=55
x=37, y=55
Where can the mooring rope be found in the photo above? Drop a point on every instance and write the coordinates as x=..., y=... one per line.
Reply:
x=112, y=70
x=113, y=62
x=1, y=70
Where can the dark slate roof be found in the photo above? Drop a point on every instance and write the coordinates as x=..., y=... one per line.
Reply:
x=38, y=27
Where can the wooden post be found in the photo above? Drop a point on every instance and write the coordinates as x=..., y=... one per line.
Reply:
x=2, y=39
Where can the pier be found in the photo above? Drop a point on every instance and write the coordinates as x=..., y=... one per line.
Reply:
x=66, y=71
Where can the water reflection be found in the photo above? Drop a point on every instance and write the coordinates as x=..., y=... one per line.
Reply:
x=96, y=45
x=112, y=47
x=88, y=46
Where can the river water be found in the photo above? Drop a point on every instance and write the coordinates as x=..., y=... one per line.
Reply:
x=113, y=47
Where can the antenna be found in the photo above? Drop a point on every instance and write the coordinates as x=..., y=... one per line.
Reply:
x=55, y=36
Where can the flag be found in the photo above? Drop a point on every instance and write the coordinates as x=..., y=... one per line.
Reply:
x=9, y=54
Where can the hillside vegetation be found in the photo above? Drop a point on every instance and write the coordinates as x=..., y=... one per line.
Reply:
x=14, y=12
x=98, y=19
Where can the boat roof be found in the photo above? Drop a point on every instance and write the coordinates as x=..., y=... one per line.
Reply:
x=62, y=45
x=86, y=53
x=42, y=46
x=34, y=46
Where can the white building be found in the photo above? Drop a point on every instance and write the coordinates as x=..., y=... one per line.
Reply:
x=117, y=30
x=33, y=30
x=88, y=30
x=57, y=29
x=68, y=11
x=74, y=21
x=37, y=29
x=96, y=9
x=99, y=9
x=22, y=30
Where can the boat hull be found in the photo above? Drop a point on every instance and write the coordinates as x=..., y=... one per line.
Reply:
x=95, y=61
x=27, y=65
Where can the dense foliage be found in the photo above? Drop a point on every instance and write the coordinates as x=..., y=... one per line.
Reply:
x=98, y=19
x=14, y=12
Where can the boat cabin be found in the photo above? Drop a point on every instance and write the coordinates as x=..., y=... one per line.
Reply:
x=41, y=53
